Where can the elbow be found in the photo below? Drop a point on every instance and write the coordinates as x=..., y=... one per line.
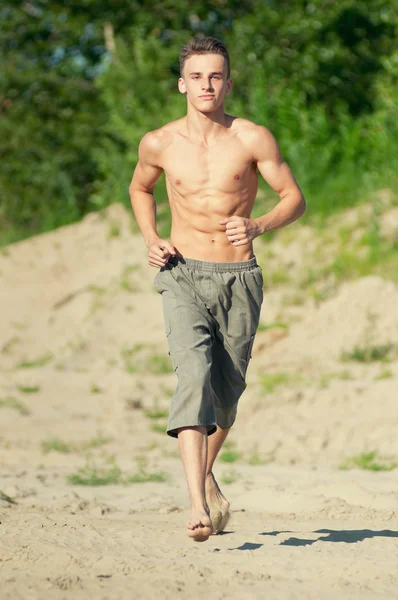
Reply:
x=302, y=206
x=135, y=188
x=131, y=189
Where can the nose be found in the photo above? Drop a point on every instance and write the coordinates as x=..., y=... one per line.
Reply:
x=207, y=85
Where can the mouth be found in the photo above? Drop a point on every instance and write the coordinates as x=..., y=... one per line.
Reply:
x=207, y=97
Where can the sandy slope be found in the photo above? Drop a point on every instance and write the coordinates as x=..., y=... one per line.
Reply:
x=76, y=302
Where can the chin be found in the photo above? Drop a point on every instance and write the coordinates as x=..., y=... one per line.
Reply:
x=207, y=109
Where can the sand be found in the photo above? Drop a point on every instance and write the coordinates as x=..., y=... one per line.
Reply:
x=80, y=324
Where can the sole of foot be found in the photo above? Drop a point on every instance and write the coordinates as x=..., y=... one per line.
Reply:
x=219, y=519
x=218, y=505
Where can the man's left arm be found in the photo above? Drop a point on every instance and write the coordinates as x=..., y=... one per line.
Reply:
x=278, y=175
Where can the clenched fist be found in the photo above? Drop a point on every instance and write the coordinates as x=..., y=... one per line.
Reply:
x=159, y=252
x=240, y=230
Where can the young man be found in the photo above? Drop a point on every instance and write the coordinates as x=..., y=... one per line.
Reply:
x=210, y=282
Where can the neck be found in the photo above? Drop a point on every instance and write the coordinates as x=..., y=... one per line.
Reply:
x=205, y=127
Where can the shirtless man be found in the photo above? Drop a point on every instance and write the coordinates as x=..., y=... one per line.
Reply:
x=208, y=277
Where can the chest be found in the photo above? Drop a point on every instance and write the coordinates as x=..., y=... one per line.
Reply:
x=225, y=166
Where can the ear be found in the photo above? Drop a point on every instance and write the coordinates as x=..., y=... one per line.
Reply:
x=181, y=86
x=229, y=86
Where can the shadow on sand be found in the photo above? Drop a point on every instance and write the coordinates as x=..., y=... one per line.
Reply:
x=348, y=536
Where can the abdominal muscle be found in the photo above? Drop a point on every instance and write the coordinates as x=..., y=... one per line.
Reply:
x=202, y=237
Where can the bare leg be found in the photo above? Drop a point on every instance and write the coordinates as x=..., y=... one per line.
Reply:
x=218, y=504
x=193, y=448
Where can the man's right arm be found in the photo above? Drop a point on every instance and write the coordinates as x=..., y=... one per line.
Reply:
x=146, y=174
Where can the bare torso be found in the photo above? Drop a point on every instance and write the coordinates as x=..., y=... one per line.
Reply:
x=205, y=184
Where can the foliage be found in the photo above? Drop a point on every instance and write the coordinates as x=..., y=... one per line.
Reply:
x=82, y=82
x=369, y=461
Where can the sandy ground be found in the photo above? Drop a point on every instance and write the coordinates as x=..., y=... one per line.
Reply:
x=80, y=325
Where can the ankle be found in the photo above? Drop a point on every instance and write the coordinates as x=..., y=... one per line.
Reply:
x=199, y=507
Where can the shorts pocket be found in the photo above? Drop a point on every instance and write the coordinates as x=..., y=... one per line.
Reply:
x=250, y=347
x=155, y=282
x=167, y=327
x=258, y=276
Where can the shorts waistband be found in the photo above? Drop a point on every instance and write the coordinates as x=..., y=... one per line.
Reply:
x=214, y=267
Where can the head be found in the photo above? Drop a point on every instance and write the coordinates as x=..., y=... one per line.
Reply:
x=204, y=70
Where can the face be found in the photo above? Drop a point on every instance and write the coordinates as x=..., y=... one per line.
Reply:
x=205, y=81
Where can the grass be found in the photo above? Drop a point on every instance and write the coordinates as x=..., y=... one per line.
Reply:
x=138, y=360
x=342, y=255
x=159, y=477
x=310, y=277
x=168, y=392
x=159, y=427
x=369, y=254
x=157, y=413
x=127, y=286
x=98, y=294
x=255, y=459
x=19, y=325
x=29, y=389
x=92, y=475
x=326, y=377
x=369, y=461
x=270, y=381
x=113, y=229
x=14, y=404
x=230, y=456
x=230, y=476
x=95, y=389
x=96, y=442
x=128, y=356
x=386, y=374
x=143, y=475
x=125, y=283
x=159, y=364
x=38, y=362
x=229, y=445
x=367, y=354
x=295, y=299
x=57, y=445
x=276, y=325
x=149, y=447
x=275, y=277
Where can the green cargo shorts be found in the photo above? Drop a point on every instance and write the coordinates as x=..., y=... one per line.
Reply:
x=211, y=314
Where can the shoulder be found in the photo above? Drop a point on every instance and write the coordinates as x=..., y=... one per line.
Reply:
x=158, y=139
x=251, y=132
x=256, y=138
x=154, y=143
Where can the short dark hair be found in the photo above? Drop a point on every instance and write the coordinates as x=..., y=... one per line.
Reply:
x=204, y=45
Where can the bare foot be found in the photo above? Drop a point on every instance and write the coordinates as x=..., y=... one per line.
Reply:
x=199, y=527
x=218, y=504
